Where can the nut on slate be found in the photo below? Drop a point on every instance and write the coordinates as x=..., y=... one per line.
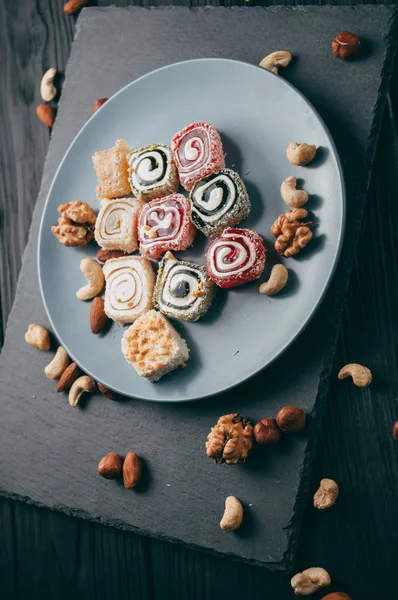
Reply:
x=361, y=376
x=346, y=45
x=337, y=596
x=98, y=317
x=300, y=154
x=292, y=196
x=68, y=377
x=38, y=337
x=326, y=495
x=95, y=278
x=73, y=6
x=46, y=114
x=230, y=440
x=309, y=581
x=276, y=282
x=291, y=419
x=83, y=384
x=58, y=364
x=107, y=393
x=279, y=58
x=47, y=87
x=75, y=225
x=110, y=466
x=233, y=515
x=131, y=470
x=98, y=104
x=267, y=431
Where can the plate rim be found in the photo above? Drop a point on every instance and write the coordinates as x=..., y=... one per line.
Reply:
x=328, y=279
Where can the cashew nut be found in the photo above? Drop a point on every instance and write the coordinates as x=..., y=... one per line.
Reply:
x=58, y=364
x=309, y=581
x=48, y=90
x=300, y=154
x=276, y=282
x=290, y=195
x=81, y=385
x=38, y=337
x=280, y=58
x=326, y=495
x=93, y=271
x=233, y=515
x=361, y=376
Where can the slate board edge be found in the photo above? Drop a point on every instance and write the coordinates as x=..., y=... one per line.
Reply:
x=378, y=111
x=301, y=498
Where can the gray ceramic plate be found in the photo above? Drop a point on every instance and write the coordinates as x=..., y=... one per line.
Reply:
x=257, y=114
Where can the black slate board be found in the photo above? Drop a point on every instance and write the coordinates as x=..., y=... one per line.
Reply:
x=55, y=449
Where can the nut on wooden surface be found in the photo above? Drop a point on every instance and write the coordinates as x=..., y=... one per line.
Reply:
x=68, y=377
x=110, y=466
x=276, y=282
x=267, y=431
x=98, y=317
x=361, y=376
x=309, y=581
x=38, y=337
x=131, y=470
x=233, y=515
x=291, y=419
x=46, y=114
x=395, y=430
x=346, y=45
x=47, y=88
x=97, y=104
x=327, y=494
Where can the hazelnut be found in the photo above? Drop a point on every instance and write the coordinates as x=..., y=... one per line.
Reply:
x=267, y=431
x=110, y=466
x=131, y=470
x=395, y=430
x=291, y=419
x=346, y=45
x=337, y=596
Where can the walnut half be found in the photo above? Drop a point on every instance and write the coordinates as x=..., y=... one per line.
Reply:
x=291, y=235
x=76, y=224
x=230, y=440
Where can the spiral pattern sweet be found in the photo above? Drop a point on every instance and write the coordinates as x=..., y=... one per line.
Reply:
x=116, y=225
x=164, y=224
x=219, y=201
x=237, y=257
x=183, y=289
x=197, y=151
x=152, y=172
x=129, y=284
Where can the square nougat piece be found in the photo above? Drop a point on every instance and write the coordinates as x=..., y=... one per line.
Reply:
x=112, y=171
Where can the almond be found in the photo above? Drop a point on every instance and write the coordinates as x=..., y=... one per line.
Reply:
x=46, y=114
x=68, y=377
x=108, y=393
x=131, y=470
x=110, y=466
x=73, y=6
x=98, y=316
x=104, y=255
x=98, y=104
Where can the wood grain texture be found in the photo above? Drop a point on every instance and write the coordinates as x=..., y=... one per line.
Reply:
x=48, y=555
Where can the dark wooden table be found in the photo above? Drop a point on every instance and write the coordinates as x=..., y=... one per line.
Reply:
x=50, y=555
